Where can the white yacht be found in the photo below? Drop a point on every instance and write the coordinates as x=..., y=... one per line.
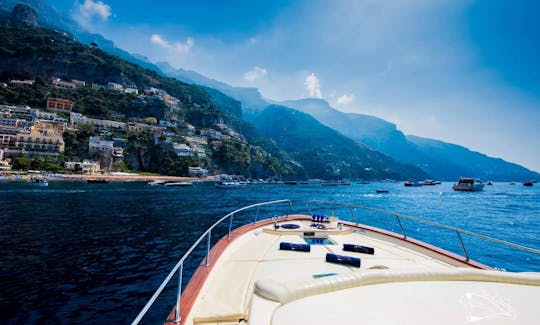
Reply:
x=316, y=269
x=468, y=185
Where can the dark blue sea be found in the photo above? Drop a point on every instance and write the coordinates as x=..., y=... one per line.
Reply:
x=94, y=253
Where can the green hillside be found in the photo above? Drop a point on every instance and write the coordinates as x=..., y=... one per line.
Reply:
x=325, y=152
x=40, y=54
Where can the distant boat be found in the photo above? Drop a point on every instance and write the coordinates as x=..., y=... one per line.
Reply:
x=382, y=191
x=364, y=182
x=39, y=181
x=290, y=182
x=489, y=183
x=182, y=183
x=330, y=183
x=412, y=184
x=157, y=182
x=97, y=181
x=431, y=182
x=528, y=183
x=468, y=185
x=512, y=183
x=228, y=185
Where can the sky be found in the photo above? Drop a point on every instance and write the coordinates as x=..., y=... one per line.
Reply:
x=465, y=72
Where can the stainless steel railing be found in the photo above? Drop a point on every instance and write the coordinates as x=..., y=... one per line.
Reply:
x=400, y=217
x=179, y=267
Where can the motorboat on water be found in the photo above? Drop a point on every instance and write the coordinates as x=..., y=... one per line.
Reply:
x=431, y=182
x=229, y=184
x=468, y=185
x=39, y=181
x=335, y=183
x=178, y=184
x=528, y=183
x=157, y=182
x=412, y=184
x=382, y=191
x=313, y=268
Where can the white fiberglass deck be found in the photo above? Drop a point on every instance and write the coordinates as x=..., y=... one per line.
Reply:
x=255, y=282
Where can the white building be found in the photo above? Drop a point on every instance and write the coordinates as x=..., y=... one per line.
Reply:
x=95, y=144
x=183, y=150
x=197, y=172
x=86, y=166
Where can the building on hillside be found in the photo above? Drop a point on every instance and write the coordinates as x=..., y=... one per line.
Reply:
x=197, y=172
x=183, y=150
x=60, y=104
x=85, y=167
x=77, y=118
x=106, y=124
x=19, y=112
x=95, y=144
x=57, y=83
x=48, y=128
x=79, y=83
x=114, y=86
x=131, y=89
x=21, y=83
x=138, y=127
x=10, y=122
x=39, y=142
x=8, y=138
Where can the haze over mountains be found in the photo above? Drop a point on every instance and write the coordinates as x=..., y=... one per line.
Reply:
x=358, y=136
x=439, y=159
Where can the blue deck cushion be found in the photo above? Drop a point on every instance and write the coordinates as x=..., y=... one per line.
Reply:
x=358, y=249
x=294, y=247
x=340, y=259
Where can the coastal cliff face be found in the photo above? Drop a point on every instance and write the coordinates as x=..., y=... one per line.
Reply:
x=25, y=14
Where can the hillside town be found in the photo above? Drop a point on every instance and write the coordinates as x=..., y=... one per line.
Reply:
x=39, y=131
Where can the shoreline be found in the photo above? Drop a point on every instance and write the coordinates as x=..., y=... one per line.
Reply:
x=108, y=177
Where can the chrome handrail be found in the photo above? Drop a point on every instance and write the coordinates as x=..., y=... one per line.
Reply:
x=399, y=216
x=180, y=265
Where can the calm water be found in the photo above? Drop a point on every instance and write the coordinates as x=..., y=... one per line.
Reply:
x=94, y=253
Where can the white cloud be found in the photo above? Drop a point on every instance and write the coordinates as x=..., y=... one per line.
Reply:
x=178, y=47
x=84, y=12
x=255, y=73
x=344, y=100
x=313, y=86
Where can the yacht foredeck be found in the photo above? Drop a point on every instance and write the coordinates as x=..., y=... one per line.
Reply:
x=244, y=283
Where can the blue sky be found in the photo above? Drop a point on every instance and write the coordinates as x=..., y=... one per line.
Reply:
x=465, y=72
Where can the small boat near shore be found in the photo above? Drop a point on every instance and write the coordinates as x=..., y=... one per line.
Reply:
x=178, y=184
x=39, y=181
x=528, y=183
x=97, y=181
x=382, y=191
x=467, y=184
x=431, y=182
x=228, y=185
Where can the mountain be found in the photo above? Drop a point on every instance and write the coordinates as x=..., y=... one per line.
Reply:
x=439, y=159
x=455, y=161
x=50, y=17
x=251, y=99
x=325, y=152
